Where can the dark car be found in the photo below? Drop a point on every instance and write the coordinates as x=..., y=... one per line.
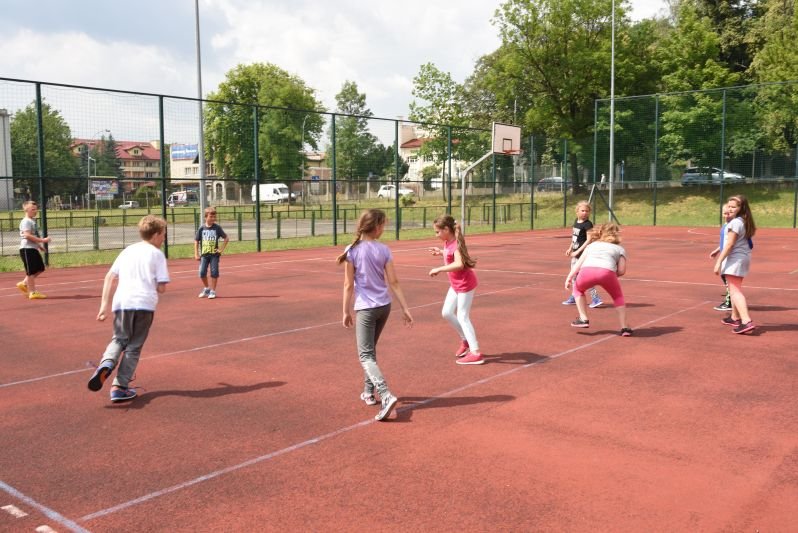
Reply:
x=554, y=183
x=707, y=175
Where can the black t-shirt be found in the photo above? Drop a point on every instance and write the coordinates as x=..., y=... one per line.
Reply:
x=208, y=237
x=579, y=235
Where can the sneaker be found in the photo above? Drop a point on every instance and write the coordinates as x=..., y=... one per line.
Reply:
x=36, y=295
x=729, y=321
x=462, y=350
x=23, y=287
x=368, y=397
x=725, y=306
x=205, y=292
x=101, y=373
x=745, y=328
x=211, y=295
x=473, y=358
x=596, y=302
x=626, y=332
x=122, y=395
x=388, y=403
x=570, y=301
x=579, y=323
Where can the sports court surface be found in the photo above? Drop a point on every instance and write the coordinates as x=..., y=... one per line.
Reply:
x=248, y=417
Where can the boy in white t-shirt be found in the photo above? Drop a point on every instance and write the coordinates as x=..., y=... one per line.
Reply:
x=142, y=274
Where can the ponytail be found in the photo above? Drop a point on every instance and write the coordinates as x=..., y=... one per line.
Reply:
x=447, y=221
x=369, y=221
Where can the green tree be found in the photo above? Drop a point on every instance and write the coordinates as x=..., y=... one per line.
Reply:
x=731, y=21
x=289, y=114
x=776, y=37
x=692, y=120
x=355, y=146
x=58, y=159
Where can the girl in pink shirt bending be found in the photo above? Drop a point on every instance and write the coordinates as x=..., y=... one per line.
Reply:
x=463, y=282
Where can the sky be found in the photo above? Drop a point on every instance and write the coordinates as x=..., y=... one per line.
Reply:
x=150, y=45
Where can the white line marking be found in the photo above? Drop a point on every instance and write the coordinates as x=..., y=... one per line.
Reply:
x=45, y=529
x=14, y=511
x=327, y=436
x=49, y=513
x=230, y=342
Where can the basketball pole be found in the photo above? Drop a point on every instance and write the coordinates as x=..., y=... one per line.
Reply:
x=612, y=111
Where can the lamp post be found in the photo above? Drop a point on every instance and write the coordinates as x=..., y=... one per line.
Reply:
x=201, y=147
x=301, y=162
x=612, y=111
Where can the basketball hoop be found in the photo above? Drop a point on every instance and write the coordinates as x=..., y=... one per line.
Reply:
x=512, y=152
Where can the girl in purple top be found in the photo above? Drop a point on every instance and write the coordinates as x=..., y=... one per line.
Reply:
x=463, y=283
x=369, y=274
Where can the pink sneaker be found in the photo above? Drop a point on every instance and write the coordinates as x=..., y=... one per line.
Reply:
x=462, y=350
x=473, y=358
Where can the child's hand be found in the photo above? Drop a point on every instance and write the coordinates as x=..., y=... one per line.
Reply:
x=347, y=322
x=46, y=240
x=435, y=250
x=434, y=272
x=407, y=317
x=567, y=283
x=197, y=257
x=568, y=252
x=717, y=267
x=714, y=253
x=101, y=314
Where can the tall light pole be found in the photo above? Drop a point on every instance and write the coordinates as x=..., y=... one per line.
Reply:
x=612, y=110
x=201, y=146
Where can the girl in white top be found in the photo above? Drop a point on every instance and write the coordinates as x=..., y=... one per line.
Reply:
x=602, y=263
x=735, y=259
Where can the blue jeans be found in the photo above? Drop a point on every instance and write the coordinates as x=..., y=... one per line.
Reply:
x=211, y=260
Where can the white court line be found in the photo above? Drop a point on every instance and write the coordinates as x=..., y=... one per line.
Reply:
x=232, y=341
x=49, y=513
x=364, y=423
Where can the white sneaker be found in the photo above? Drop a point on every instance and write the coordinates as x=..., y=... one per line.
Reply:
x=211, y=295
x=204, y=293
x=388, y=403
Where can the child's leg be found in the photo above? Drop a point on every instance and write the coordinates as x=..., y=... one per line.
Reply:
x=464, y=301
x=449, y=312
x=581, y=306
x=727, y=301
x=594, y=295
x=369, y=323
x=579, y=293
x=738, y=300
x=214, y=259
x=137, y=326
x=203, y=269
x=622, y=316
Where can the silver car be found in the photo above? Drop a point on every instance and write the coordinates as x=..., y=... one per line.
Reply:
x=708, y=175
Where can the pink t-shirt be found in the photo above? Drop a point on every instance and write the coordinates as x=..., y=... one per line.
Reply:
x=464, y=280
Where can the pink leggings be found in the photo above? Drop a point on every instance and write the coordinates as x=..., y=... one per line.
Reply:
x=605, y=278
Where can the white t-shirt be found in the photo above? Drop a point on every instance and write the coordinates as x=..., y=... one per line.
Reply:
x=140, y=268
x=603, y=255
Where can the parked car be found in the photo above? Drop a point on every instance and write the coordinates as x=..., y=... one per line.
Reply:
x=182, y=198
x=554, y=183
x=129, y=205
x=707, y=175
x=389, y=191
x=273, y=193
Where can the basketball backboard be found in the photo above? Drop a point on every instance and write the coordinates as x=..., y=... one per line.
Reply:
x=506, y=138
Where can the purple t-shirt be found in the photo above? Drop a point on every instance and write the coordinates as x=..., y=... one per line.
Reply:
x=369, y=259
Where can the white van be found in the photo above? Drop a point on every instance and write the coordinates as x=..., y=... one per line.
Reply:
x=182, y=198
x=274, y=193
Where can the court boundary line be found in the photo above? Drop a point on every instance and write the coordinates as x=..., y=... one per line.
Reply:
x=49, y=513
x=315, y=440
x=230, y=342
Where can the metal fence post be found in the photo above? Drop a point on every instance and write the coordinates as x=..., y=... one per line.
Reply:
x=40, y=148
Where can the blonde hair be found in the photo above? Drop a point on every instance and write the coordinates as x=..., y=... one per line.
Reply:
x=369, y=221
x=447, y=221
x=584, y=203
x=609, y=232
x=210, y=210
x=151, y=225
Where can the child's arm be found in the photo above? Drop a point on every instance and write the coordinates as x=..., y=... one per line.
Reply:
x=620, y=269
x=454, y=266
x=349, y=294
x=574, y=271
x=27, y=234
x=161, y=287
x=582, y=248
x=108, y=292
x=196, y=250
x=224, y=243
x=730, y=239
x=393, y=282
x=714, y=252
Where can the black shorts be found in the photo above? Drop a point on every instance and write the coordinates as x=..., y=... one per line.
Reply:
x=32, y=260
